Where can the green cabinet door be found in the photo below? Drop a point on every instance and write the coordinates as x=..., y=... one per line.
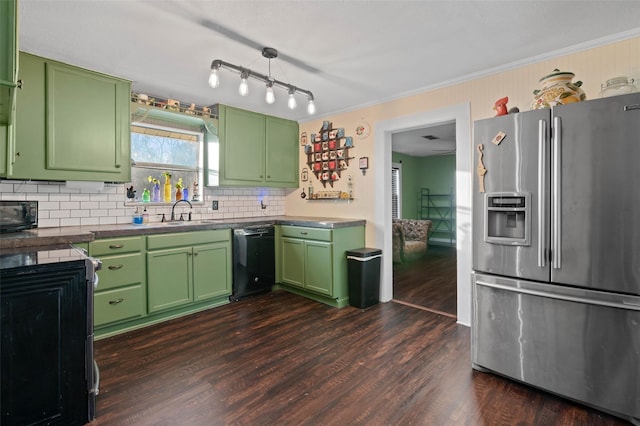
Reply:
x=318, y=275
x=71, y=124
x=257, y=150
x=8, y=59
x=211, y=271
x=293, y=261
x=242, y=147
x=282, y=155
x=169, y=278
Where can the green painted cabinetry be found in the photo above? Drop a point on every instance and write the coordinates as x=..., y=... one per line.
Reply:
x=257, y=150
x=149, y=279
x=312, y=261
x=71, y=124
x=121, y=292
x=188, y=267
x=8, y=59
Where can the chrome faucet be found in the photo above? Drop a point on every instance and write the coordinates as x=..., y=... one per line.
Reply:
x=173, y=215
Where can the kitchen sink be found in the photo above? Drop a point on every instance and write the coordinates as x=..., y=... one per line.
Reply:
x=171, y=223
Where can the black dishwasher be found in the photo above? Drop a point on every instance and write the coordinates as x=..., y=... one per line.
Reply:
x=253, y=261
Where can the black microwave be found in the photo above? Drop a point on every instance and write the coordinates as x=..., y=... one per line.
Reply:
x=18, y=215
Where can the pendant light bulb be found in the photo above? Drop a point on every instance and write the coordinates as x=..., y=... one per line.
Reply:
x=291, y=103
x=270, y=96
x=311, y=107
x=243, y=89
x=214, y=78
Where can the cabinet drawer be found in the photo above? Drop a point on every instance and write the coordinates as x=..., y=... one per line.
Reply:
x=162, y=241
x=117, y=305
x=307, y=233
x=115, y=246
x=118, y=271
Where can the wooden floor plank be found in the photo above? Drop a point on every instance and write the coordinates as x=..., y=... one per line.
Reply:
x=429, y=282
x=280, y=359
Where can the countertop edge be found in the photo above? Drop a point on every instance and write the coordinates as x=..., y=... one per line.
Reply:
x=85, y=234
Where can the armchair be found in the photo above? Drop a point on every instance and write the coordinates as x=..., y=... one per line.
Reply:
x=410, y=239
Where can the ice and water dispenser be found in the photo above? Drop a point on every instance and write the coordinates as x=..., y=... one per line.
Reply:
x=508, y=218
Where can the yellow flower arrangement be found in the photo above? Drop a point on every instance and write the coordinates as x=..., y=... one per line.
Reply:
x=179, y=184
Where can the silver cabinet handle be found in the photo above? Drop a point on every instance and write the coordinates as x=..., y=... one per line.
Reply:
x=116, y=267
x=304, y=233
x=115, y=302
x=116, y=246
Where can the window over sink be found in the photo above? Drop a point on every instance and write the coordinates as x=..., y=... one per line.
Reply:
x=162, y=153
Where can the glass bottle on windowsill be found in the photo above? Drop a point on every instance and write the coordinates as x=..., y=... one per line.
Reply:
x=167, y=187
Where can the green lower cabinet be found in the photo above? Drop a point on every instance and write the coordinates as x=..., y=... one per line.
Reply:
x=211, y=271
x=169, y=275
x=318, y=267
x=112, y=306
x=293, y=261
x=121, y=292
x=312, y=261
x=150, y=279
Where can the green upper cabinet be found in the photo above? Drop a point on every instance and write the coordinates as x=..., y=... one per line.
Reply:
x=8, y=59
x=257, y=150
x=282, y=157
x=71, y=124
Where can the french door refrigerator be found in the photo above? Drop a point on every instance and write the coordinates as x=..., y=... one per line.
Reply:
x=556, y=251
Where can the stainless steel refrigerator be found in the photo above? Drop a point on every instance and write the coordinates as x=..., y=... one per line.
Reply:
x=556, y=251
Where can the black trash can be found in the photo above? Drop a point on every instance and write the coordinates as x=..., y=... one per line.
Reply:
x=363, y=266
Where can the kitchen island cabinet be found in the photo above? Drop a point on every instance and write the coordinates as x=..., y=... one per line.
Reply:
x=256, y=149
x=312, y=262
x=71, y=124
x=47, y=347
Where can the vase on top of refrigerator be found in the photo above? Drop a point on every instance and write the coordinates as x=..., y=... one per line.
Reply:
x=556, y=237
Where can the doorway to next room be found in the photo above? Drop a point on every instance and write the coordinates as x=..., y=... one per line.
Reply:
x=423, y=214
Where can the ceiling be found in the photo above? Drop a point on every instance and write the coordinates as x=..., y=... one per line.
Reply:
x=348, y=53
x=439, y=139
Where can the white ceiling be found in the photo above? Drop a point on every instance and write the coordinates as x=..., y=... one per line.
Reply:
x=348, y=53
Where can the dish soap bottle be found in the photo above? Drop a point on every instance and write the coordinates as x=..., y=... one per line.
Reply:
x=137, y=217
x=145, y=216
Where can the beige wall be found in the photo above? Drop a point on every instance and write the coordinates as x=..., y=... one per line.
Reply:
x=592, y=67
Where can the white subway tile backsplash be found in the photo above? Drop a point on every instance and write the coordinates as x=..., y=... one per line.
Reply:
x=69, y=205
x=89, y=221
x=56, y=214
x=61, y=206
x=73, y=221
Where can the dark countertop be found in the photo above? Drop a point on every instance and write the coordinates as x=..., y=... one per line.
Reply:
x=39, y=256
x=59, y=237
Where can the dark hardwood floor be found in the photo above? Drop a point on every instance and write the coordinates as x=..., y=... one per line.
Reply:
x=280, y=359
x=429, y=282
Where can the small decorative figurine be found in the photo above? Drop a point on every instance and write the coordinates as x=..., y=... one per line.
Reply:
x=131, y=194
x=482, y=170
x=195, y=195
x=501, y=106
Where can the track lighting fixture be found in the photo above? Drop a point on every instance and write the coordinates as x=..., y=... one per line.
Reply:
x=243, y=89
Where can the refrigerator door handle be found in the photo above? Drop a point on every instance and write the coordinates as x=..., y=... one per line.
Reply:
x=556, y=211
x=627, y=304
x=542, y=208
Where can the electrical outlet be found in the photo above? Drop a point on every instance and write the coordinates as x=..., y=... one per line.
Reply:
x=214, y=205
